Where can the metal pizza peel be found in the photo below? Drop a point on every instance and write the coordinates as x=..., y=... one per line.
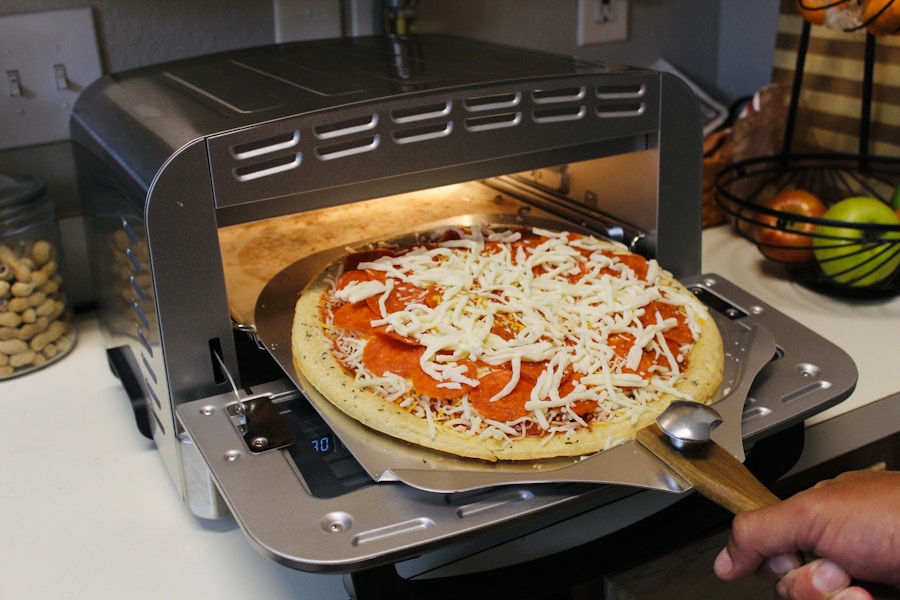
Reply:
x=386, y=459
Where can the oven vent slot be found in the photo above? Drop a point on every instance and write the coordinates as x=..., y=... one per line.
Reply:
x=622, y=110
x=489, y=122
x=421, y=134
x=558, y=113
x=344, y=128
x=349, y=148
x=135, y=262
x=145, y=342
x=622, y=92
x=492, y=102
x=266, y=146
x=269, y=167
x=421, y=113
x=156, y=402
x=575, y=94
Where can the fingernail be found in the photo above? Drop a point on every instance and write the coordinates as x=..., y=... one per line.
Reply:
x=723, y=563
x=829, y=578
x=782, y=564
x=853, y=593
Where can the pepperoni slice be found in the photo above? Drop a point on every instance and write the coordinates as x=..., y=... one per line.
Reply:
x=356, y=316
x=402, y=295
x=352, y=261
x=429, y=386
x=508, y=408
x=383, y=354
x=533, y=370
x=505, y=326
x=638, y=264
x=680, y=334
x=350, y=277
x=579, y=407
x=621, y=343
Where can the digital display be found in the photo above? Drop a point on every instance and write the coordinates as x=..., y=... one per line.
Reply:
x=324, y=462
x=325, y=444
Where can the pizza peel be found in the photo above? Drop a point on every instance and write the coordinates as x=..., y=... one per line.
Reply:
x=709, y=461
x=387, y=459
x=681, y=438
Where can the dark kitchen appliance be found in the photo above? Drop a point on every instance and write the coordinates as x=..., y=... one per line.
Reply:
x=206, y=180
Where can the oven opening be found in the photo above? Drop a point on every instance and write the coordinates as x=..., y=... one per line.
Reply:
x=576, y=196
x=613, y=197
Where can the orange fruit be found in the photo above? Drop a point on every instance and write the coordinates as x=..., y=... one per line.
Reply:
x=813, y=10
x=825, y=12
x=881, y=17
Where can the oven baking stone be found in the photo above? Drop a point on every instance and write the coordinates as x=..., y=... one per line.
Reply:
x=253, y=253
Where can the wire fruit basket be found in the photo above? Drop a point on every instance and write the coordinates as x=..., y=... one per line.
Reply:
x=838, y=258
x=854, y=259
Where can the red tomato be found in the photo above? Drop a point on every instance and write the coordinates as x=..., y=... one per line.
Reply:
x=782, y=239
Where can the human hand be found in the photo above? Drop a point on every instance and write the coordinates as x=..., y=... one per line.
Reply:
x=852, y=522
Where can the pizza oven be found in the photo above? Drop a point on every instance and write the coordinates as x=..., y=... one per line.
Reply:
x=214, y=187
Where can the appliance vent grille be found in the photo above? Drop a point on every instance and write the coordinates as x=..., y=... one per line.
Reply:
x=268, y=167
x=622, y=110
x=266, y=146
x=136, y=266
x=421, y=113
x=348, y=148
x=497, y=121
x=302, y=158
x=555, y=114
x=544, y=96
x=348, y=127
x=424, y=133
x=503, y=101
x=621, y=100
x=620, y=92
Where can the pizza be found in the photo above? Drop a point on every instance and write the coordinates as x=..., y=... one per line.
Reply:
x=504, y=342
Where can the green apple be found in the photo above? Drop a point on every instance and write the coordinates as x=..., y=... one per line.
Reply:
x=854, y=256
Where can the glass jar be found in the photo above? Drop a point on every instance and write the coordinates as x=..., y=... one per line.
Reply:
x=35, y=316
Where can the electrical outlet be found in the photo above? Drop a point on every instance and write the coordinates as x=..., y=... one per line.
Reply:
x=297, y=20
x=601, y=21
x=46, y=59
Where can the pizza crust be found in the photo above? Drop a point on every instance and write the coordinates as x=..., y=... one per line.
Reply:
x=314, y=359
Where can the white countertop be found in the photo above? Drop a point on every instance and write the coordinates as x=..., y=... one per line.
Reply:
x=867, y=330
x=87, y=509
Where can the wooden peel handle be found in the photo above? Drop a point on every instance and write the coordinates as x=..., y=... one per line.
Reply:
x=712, y=470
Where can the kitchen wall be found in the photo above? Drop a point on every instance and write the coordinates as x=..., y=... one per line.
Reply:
x=131, y=33
x=726, y=46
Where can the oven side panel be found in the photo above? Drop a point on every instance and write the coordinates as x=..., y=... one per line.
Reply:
x=679, y=204
x=157, y=306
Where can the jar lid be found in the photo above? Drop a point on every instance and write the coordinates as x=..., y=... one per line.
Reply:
x=19, y=189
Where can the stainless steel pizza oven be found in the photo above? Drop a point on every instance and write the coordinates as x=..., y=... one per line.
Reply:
x=206, y=180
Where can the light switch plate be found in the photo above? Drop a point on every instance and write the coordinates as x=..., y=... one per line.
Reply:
x=601, y=21
x=46, y=60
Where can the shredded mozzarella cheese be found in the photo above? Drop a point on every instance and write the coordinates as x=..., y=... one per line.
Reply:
x=507, y=299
